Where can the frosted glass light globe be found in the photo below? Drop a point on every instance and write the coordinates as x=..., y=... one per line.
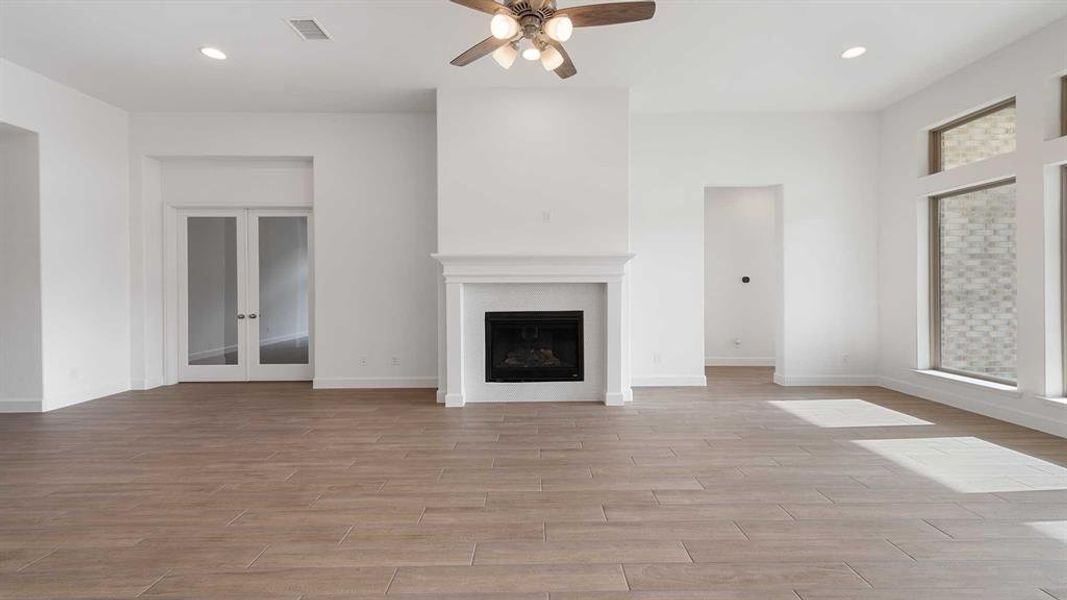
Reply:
x=503, y=26
x=505, y=55
x=551, y=59
x=560, y=28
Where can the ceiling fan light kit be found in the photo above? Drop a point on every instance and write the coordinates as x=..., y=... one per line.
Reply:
x=536, y=29
x=505, y=55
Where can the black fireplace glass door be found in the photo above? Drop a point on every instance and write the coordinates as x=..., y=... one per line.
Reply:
x=533, y=346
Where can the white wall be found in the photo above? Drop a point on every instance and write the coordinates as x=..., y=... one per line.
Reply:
x=374, y=230
x=238, y=181
x=84, y=234
x=740, y=240
x=20, y=271
x=1028, y=70
x=827, y=166
x=508, y=157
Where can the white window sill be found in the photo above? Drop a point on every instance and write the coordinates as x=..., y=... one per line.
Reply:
x=991, y=385
x=1060, y=403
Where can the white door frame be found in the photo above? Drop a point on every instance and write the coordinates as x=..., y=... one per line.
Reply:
x=174, y=282
x=234, y=372
x=269, y=372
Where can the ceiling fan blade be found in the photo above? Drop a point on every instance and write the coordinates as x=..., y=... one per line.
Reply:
x=567, y=69
x=486, y=6
x=611, y=13
x=482, y=48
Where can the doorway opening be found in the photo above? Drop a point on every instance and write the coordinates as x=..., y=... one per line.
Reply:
x=742, y=276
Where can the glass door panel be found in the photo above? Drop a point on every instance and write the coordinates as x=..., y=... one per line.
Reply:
x=283, y=291
x=211, y=331
x=279, y=295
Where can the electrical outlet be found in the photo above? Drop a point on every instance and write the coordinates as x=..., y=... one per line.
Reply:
x=657, y=358
x=546, y=216
x=737, y=341
x=395, y=361
x=844, y=359
x=363, y=361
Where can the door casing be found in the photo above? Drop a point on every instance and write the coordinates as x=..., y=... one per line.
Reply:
x=248, y=367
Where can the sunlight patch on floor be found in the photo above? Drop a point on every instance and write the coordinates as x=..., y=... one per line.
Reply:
x=1056, y=530
x=846, y=413
x=970, y=464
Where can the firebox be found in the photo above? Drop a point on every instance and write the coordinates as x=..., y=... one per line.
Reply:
x=533, y=346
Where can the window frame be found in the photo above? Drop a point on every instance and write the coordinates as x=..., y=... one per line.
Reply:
x=935, y=279
x=936, y=133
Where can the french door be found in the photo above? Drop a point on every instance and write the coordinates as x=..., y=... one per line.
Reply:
x=244, y=297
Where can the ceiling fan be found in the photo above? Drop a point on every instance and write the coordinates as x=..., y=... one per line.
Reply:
x=536, y=29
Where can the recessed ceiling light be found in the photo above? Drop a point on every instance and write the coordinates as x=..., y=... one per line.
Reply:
x=214, y=53
x=854, y=52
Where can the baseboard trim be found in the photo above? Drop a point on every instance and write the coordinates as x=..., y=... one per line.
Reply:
x=20, y=405
x=521, y=400
x=739, y=361
x=825, y=380
x=999, y=411
x=141, y=384
x=330, y=383
x=669, y=381
x=70, y=399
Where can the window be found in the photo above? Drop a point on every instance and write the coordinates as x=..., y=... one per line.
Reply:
x=973, y=282
x=979, y=135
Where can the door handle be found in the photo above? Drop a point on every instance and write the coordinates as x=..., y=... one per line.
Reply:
x=252, y=316
x=240, y=315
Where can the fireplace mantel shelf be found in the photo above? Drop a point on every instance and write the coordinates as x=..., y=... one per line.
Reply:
x=533, y=268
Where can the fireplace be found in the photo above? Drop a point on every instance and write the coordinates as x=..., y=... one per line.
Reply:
x=533, y=346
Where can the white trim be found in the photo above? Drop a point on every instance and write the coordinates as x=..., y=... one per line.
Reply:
x=669, y=381
x=533, y=400
x=985, y=383
x=529, y=268
x=20, y=405
x=1054, y=422
x=825, y=380
x=145, y=384
x=618, y=398
x=71, y=398
x=330, y=383
x=739, y=361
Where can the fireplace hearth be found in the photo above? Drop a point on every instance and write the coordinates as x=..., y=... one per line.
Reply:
x=533, y=346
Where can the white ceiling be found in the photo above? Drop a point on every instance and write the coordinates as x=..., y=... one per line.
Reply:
x=389, y=55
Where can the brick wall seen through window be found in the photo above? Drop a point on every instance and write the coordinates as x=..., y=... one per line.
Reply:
x=977, y=282
x=988, y=133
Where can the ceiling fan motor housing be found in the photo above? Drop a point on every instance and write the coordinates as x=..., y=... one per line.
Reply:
x=530, y=19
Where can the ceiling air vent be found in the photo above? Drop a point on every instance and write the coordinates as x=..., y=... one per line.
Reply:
x=308, y=28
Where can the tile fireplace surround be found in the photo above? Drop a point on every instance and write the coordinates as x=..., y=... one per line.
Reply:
x=463, y=272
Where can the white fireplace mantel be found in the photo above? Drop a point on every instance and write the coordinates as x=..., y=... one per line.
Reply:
x=609, y=269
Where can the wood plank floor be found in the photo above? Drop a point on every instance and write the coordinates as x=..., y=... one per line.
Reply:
x=742, y=490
